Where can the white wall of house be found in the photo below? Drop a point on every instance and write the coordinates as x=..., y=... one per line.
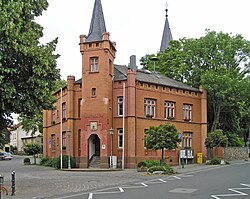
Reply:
x=19, y=137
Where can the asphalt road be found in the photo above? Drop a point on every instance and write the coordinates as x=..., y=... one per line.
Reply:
x=231, y=181
x=195, y=181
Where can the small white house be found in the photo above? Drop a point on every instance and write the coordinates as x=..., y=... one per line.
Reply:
x=19, y=138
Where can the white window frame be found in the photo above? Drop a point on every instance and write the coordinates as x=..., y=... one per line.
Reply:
x=120, y=106
x=187, y=112
x=169, y=109
x=187, y=139
x=149, y=107
x=94, y=64
x=120, y=138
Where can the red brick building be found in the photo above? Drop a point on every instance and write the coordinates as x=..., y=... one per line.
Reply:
x=113, y=105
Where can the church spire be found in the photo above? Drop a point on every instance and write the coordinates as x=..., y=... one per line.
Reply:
x=167, y=35
x=97, y=26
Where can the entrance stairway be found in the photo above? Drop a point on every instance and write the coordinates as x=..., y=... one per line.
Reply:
x=94, y=162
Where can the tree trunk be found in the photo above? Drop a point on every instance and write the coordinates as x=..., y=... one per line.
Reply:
x=217, y=109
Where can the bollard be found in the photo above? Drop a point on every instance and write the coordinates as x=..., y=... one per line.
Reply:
x=1, y=183
x=13, y=186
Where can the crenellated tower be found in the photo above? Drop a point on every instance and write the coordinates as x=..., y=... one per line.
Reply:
x=98, y=54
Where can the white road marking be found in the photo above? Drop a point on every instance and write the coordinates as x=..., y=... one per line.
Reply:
x=135, y=187
x=121, y=189
x=162, y=180
x=90, y=196
x=144, y=185
x=178, y=178
x=235, y=190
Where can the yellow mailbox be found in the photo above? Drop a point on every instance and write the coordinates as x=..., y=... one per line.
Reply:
x=199, y=158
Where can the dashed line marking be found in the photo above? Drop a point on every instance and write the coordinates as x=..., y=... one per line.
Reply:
x=178, y=178
x=235, y=190
x=144, y=185
x=90, y=196
x=162, y=180
x=121, y=189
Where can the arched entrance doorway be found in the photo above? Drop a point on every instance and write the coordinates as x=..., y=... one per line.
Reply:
x=94, y=146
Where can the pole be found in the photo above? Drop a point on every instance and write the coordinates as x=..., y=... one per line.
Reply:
x=61, y=162
x=111, y=150
x=13, y=182
x=1, y=182
x=69, y=166
x=123, y=127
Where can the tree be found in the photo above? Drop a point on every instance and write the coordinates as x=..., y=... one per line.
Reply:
x=33, y=149
x=220, y=63
x=162, y=137
x=34, y=123
x=216, y=139
x=27, y=68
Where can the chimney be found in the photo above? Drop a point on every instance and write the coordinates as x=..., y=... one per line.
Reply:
x=132, y=64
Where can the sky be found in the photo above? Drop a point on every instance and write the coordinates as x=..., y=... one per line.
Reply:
x=137, y=25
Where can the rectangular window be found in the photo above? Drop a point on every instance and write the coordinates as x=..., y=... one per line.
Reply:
x=120, y=138
x=53, y=116
x=94, y=64
x=53, y=142
x=79, y=106
x=169, y=110
x=64, y=115
x=64, y=138
x=187, y=112
x=149, y=108
x=120, y=106
x=93, y=92
x=187, y=140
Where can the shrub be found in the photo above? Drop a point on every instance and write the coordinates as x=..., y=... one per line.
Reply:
x=148, y=163
x=65, y=162
x=166, y=169
x=141, y=164
x=215, y=161
x=26, y=161
x=44, y=160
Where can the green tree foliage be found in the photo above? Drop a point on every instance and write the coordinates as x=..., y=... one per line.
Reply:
x=27, y=68
x=221, y=63
x=162, y=137
x=234, y=140
x=216, y=139
x=33, y=149
x=34, y=123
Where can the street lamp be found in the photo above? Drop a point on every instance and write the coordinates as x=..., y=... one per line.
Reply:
x=68, y=131
x=154, y=59
x=111, y=132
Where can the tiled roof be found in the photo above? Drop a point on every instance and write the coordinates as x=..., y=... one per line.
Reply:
x=150, y=77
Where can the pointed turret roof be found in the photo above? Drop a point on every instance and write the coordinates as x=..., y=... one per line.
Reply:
x=167, y=35
x=97, y=26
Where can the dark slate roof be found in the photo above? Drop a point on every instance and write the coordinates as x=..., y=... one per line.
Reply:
x=167, y=35
x=150, y=77
x=97, y=26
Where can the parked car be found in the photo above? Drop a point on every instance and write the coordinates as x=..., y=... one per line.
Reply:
x=5, y=156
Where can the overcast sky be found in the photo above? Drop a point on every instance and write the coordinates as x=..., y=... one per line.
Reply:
x=137, y=25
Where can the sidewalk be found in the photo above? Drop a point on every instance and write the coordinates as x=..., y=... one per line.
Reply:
x=197, y=167
x=47, y=183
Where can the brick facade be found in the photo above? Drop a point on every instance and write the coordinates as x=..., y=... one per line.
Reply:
x=91, y=106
